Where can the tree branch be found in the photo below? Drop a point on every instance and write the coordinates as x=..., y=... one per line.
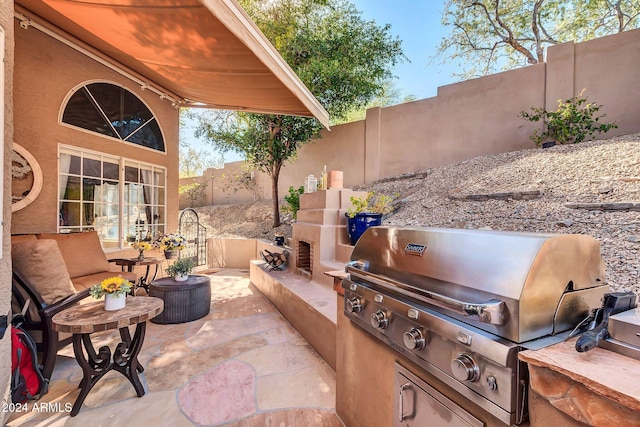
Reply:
x=513, y=42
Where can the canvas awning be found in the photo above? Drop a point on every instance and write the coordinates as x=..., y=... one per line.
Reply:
x=205, y=53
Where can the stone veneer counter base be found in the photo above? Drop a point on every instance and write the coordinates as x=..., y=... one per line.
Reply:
x=596, y=388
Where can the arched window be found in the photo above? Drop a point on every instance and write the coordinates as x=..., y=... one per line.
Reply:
x=113, y=111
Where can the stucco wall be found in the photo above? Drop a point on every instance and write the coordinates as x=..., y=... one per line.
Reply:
x=608, y=69
x=47, y=71
x=472, y=118
x=6, y=22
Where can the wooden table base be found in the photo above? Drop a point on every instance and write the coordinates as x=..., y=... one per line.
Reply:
x=96, y=365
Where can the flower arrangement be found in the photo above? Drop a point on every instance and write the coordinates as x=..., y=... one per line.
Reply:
x=171, y=242
x=111, y=286
x=181, y=267
x=141, y=246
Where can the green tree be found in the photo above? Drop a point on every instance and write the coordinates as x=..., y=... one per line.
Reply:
x=193, y=192
x=343, y=60
x=492, y=35
x=391, y=95
x=193, y=162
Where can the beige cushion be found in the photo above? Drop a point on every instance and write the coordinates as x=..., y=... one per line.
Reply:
x=84, y=282
x=82, y=252
x=41, y=263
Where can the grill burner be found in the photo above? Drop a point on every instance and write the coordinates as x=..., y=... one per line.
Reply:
x=462, y=303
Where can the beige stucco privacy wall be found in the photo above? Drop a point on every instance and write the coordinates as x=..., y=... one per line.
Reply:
x=236, y=252
x=41, y=58
x=6, y=22
x=468, y=119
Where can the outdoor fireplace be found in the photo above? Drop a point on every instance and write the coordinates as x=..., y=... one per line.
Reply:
x=304, y=258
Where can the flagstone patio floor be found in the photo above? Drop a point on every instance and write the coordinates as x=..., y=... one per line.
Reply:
x=242, y=365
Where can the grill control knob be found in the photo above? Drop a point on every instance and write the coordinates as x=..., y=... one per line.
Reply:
x=414, y=340
x=354, y=305
x=379, y=319
x=492, y=383
x=464, y=368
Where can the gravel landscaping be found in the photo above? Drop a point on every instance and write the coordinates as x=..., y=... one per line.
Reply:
x=590, y=188
x=598, y=172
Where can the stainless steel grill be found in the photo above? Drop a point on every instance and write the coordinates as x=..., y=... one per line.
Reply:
x=462, y=303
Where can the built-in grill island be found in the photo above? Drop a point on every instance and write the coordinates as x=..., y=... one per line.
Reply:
x=461, y=304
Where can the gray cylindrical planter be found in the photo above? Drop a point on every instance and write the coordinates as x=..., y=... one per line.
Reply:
x=183, y=301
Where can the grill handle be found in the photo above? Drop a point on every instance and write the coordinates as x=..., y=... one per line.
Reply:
x=403, y=387
x=491, y=311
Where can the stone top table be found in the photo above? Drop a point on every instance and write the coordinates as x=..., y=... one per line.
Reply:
x=83, y=320
x=144, y=281
x=590, y=387
x=90, y=318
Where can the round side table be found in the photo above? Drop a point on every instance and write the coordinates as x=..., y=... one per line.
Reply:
x=183, y=301
x=85, y=319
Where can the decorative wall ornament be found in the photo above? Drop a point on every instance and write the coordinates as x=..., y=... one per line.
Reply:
x=20, y=168
x=26, y=178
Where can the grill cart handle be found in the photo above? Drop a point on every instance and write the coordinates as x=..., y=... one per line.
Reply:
x=492, y=311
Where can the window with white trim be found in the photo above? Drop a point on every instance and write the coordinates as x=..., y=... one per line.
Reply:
x=120, y=198
x=115, y=112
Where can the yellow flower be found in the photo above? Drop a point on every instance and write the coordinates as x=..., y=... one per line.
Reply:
x=145, y=246
x=113, y=285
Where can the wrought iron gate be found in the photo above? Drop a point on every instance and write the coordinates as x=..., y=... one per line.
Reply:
x=196, y=236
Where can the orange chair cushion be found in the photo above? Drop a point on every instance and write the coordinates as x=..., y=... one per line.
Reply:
x=82, y=252
x=41, y=263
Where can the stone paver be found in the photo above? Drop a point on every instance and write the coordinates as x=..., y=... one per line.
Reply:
x=233, y=367
x=222, y=394
x=178, y=364
x=278, y=359
x=311, y=387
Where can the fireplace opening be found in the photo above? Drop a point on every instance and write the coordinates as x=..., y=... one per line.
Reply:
x=304, y=259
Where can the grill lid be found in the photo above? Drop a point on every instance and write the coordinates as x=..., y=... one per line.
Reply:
x=520, y=286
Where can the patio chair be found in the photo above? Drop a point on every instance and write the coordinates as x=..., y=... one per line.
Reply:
x=275, y=260
x=37, y=319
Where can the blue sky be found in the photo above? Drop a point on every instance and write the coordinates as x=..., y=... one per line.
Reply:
x=417, y=24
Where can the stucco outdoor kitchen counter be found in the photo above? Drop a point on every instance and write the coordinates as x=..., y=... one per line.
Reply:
x=598, y=387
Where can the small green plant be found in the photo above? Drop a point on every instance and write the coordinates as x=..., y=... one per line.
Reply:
x=193, y=192
x=181, y=267
x=370, y=203
x=293, y=200
x=574, y=121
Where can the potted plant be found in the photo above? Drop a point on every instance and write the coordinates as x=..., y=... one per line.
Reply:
x=366, y=211
x=114, y=289
x=170, y=244
x=279, y=239
x=181, y=269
